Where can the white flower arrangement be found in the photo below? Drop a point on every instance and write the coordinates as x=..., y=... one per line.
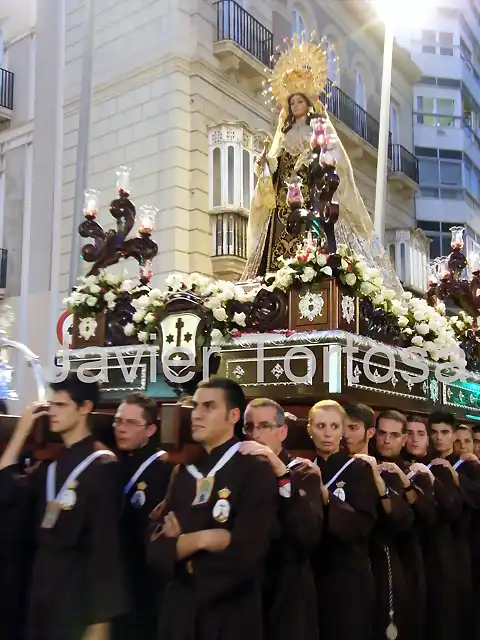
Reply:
x=96, y=293
x=87, y=327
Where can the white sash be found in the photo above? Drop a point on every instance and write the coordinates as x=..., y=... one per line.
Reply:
x=193, y=471
x=458, y=463
x=145, y=464
x=294, y=463
x=347, y=464
x=52, y=472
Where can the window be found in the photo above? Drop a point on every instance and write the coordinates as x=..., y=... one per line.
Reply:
x=360, y=92
x=394, y=124
x=333, y=72
x=446, y=43
x=298, y=23
x=428, y=171
x=436, y=112
x=451, y=173
x=437, y=43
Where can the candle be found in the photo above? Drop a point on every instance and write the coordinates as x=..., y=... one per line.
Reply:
x=432, y=273
x=474, y=261
x=147, y=219
x=123, y=180
x=457, y=237
x=443, y=270
x=146, y=270
x=91, y=206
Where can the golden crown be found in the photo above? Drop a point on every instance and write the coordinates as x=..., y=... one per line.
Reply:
x=301, y=68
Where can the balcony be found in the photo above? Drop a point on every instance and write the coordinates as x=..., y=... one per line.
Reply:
x=357, y=120
x=404, y=167
x=6, y=95
x=229, y=234
x=3, y=272
x=243, y=44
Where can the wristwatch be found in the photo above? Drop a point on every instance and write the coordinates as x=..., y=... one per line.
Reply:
x=386, y=495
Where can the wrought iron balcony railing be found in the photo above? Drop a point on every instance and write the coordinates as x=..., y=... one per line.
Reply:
x=404, y=161
x=236, y=24
x=6, y=89
x=230, y=235
x=340, y=105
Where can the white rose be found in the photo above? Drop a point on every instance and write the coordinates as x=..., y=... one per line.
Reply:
x=419, y=316
x=143, y=336
x=343, y=264
x=378, y=300
x=239, y=294
x=308, y=274
x=127, y=285
x=111, y=279
x=213, y=303
x=142, y=302
x=407, y=295
x=327, y=271
x=240, y=319
x=377, y=282
x=441, y=307
x=216, y=335
x=94, y=288
x=342, y=250
x=389, y=294
x=350, y=279
x=150, y=318
x=460, y=325
x=91, y=301
x=129, y=329
x=109, y=297
x=321, y=259
x=155, y=294
x=402, y=321
x=417, y=341
x=138, y=316
x=397, y=308
x=366, y=288
x=422, y=329
x=220, y=314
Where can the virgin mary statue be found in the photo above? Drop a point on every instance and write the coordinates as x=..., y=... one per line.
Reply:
x=297, y=78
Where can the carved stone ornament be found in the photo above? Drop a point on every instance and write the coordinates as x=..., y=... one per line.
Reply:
x=311, y=306
x=348, y=308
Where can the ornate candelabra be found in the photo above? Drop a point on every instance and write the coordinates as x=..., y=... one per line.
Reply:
x=110, y=246
x=445, y=279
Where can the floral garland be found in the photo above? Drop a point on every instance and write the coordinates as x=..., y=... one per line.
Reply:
x=420, y=324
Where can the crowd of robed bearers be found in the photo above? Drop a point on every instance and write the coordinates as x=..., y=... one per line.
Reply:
x=377, y=537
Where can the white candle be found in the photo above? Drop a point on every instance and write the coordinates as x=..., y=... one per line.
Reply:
x=123, y=179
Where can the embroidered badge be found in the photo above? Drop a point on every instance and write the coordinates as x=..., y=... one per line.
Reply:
x=221, y=510
x=285, y=487
x=339, y=491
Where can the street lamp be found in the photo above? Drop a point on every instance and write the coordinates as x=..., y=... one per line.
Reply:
x=393, y=14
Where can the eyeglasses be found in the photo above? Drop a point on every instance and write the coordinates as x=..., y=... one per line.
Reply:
x=118, y=422
x=249, y=427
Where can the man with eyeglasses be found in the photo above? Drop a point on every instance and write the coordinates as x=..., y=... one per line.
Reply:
x=289, y=594
x=146, y=474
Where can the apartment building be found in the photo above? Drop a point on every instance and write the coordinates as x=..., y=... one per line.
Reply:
x=176, y=96
x=447, y=122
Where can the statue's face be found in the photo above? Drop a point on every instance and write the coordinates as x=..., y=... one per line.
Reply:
x=298, y=106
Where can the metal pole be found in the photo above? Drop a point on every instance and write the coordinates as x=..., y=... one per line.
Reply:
x=384, y=131
x=81, y=174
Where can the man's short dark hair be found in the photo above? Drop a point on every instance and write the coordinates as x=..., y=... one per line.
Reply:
x=391, y=414
x=146, y=403
x=80, y=391
x=234, y=394
x=415, y=417
x=360, y=413
x=444, y=417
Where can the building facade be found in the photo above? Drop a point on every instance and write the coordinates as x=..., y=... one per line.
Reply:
x=177, y=96
x=447, y=123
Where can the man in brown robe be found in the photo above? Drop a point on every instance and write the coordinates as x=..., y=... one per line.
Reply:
x=145, y=475
x=394, y=518
x=289, y=594
x=217, y=522
x=417, y=486
x=78, y=583
x=466, y=470
x=345, y=588
x=438, y=544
